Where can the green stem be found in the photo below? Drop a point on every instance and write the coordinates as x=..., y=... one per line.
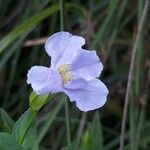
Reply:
x=32, y=116
x=61, y=5
x=67, y=121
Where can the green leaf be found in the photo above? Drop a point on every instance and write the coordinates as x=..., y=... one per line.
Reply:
x=23, y=125
x=32, y=22
x=27, y=25
x=6, y=123
x=37, y=101
x=107, y=22
x=86, y=140
x=50, y=119
x=72, y=146
x=92, y=138
x=96, y=133
x=8, y=142
x=31, y=136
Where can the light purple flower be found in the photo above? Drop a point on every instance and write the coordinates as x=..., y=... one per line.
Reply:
x=73, y=71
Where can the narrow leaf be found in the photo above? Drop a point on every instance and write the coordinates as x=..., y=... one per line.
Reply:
x=8, y=142
x=96, y=133
x=6, y=123
x=23, y=125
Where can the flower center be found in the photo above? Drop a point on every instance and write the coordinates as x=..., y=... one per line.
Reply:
x=65, y=73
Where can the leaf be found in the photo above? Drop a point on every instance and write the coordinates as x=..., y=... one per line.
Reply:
x=92, y=138
x=86, y=140
x=22, y=127
x=31, y=136
x=72, y=146
x=96, y=133
x=27, y=25
x=37, y=101
x=50, y=118
x=107, y=22
x=8, y=142
x=31, y=23
x=6, y=123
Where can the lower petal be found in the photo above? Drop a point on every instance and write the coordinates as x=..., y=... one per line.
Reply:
x=88, y=95
x=44, y=80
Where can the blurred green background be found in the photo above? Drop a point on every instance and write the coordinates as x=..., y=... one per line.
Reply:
x=109, y=27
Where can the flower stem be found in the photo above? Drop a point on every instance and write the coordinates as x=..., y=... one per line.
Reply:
x=61, y=5
x=67, y=121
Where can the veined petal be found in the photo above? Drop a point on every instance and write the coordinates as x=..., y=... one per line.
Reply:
x=60, y=42
x=88, y=95
x=87, y=65
x=44, y=80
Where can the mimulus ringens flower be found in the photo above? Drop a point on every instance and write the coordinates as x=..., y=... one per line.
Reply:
x=73, y=71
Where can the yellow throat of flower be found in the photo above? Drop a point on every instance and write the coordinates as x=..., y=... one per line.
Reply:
x=65, y=73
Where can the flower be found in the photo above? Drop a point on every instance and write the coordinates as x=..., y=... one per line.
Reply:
x=73, y=71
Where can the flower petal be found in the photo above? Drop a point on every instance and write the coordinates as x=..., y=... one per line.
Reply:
x=60, y=42
x=88, y=95
x=44, y=80
x=87, y=65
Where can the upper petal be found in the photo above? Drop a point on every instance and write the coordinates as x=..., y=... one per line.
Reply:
x=87, y=65
x=44, y=80
x=60, y=42
x=88, y=95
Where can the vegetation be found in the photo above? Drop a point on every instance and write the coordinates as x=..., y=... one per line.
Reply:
x=111, y=28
